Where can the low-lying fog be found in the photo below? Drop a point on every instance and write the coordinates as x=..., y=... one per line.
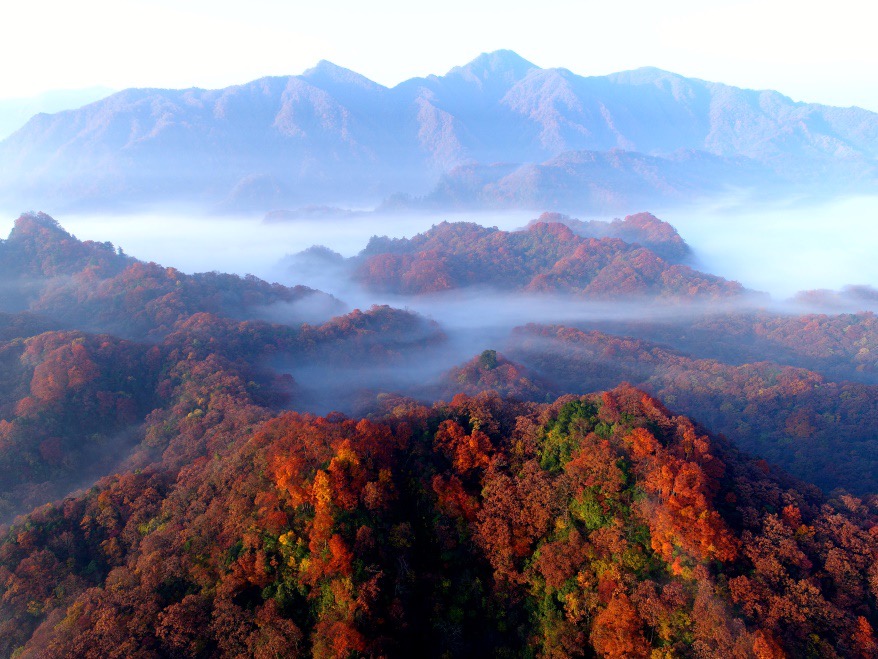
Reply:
x=785, y=247
x=247, y=244
x=779, y=248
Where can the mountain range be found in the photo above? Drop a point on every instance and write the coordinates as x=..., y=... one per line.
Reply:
x=15, y=112
x=497, y=132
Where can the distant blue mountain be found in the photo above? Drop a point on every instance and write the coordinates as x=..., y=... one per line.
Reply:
x=499, y=131
x=14, y=112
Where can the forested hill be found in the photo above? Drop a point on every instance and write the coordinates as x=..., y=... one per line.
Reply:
x=94, y=286
x=176, y=478
x=555, y=254
x=599, y=525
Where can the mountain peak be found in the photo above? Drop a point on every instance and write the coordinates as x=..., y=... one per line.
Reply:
x=504, y=64
x=326, y=72
x=645, y=75
x=32, y=223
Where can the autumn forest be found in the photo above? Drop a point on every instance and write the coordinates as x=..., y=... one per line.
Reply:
x=209, y=465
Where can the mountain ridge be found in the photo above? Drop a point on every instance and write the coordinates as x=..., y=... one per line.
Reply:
x=331, y=135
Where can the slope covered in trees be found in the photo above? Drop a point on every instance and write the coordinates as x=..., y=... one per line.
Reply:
x=69, y=404
x=599, y=524
x=644, y=229
x=840, y=346
x=492, y=371
x=73, y=405
x=223, y=524
x=546, y=257
x=93, y=286
x=819, y=430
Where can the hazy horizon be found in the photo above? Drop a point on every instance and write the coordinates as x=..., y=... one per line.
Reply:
x=804, y=51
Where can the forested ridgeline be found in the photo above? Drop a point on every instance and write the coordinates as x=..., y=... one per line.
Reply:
x=194, y=516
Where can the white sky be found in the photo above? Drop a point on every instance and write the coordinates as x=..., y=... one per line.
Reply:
x=812, y=51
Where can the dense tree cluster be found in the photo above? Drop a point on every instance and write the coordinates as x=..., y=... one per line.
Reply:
x=598, y=524
x=92, y=286
x=72, y=405
x=380, y=332
x=644, y=229
x=544, y=257
x=68, y=406
x=17, y=325
x=841, y=346
x=819, y=430
x=492, y=371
